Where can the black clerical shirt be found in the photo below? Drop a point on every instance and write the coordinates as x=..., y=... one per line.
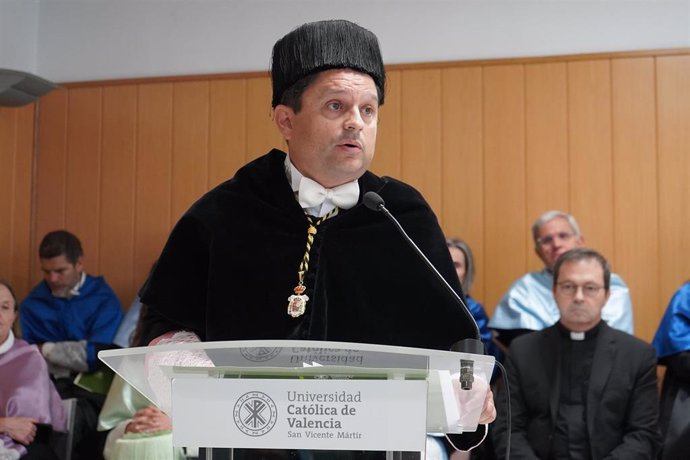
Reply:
x=570, y=441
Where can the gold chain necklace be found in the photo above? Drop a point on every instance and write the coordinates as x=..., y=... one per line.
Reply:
x=297, y=303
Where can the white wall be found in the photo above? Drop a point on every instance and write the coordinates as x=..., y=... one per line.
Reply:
x=18, y=34
x=101, y=39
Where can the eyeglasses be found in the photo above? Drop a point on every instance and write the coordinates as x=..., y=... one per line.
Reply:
x=549, y=239
x=570, y=289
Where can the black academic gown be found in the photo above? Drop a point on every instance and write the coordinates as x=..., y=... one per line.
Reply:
x=231, y=263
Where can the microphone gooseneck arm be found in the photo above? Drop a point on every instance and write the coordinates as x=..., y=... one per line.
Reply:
x=373, y=201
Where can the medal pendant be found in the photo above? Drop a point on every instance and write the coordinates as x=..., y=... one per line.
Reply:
x=297, y=303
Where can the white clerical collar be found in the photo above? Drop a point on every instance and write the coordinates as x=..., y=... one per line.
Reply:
x=578, y=336
x=295, y=178
x=5, y=346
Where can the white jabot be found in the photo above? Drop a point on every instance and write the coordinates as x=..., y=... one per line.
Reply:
x=317, y=200
x=312, y=194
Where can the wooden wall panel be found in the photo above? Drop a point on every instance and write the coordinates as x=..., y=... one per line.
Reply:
x=421, y=134
x=118, y=186
x=388, y=137
x=546, y=146
x=262, y=135
x=50, y=185
x=83, y=173
x=591, y=174
x=8, y=154
x=153, y=175
x=190, y=145
x=490, y=144
x=228, y=129
x=463, y=162
x=673, y=108
x=20, y=248
x=504, y=180
x=636, y=243
x=16, y=155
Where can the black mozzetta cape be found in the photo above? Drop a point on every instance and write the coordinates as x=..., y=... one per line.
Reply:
x=231, y=263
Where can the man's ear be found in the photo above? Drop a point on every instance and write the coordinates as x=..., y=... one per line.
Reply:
x=538, y=252
x=79, y=264
x=282, y=115
x=581, y=240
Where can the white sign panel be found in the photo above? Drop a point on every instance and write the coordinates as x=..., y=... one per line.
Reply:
x=300, y=414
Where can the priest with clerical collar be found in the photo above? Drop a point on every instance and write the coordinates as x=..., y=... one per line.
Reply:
x=581, y=390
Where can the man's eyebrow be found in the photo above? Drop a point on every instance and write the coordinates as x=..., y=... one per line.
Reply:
x=330, y=92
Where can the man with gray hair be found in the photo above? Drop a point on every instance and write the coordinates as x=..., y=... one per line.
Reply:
x=529, y=304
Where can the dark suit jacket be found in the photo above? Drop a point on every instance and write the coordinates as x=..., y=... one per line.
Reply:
x=622, y=400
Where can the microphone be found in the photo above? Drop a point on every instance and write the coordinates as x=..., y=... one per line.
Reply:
x=373, y=201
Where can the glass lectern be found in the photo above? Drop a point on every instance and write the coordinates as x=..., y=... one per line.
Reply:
x=282, y=394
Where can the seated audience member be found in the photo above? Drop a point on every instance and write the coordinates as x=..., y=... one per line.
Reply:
x=463, y=260
x=580, y=389
x=529, y=306
x=123, y=336
x=136, y=428
x=672, y=343
x=71, y=315
x=30, y=407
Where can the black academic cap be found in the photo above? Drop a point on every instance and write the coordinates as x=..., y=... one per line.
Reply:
x=324, y=45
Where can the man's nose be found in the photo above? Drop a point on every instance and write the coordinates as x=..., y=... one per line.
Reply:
x=354, y=120
x=52, y=277
x=580, y=293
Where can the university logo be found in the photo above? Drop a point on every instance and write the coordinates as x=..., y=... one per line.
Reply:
x=260, y=354
x=255, y=413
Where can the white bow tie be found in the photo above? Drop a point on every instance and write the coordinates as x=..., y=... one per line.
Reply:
x=312, y=194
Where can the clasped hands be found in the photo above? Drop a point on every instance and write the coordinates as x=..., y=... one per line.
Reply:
x=148, y=420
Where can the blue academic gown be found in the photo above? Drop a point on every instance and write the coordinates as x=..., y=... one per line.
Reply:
x=94, y=315
x=672, y=344
x=482, y=320
x=529, y=304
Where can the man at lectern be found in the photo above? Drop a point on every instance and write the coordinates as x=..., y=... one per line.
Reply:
x=287, y=250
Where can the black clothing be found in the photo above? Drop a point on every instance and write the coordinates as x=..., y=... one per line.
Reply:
x=674, y=418
x=231, y=263
x=88, y=442
x=621, y=403
x=506, y=336
x=570, y=436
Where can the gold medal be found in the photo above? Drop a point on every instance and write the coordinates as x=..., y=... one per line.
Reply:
x=297, y=303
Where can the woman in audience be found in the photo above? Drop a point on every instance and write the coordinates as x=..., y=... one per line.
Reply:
x=138, y=429
x=463, y=260
x=30, y=407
